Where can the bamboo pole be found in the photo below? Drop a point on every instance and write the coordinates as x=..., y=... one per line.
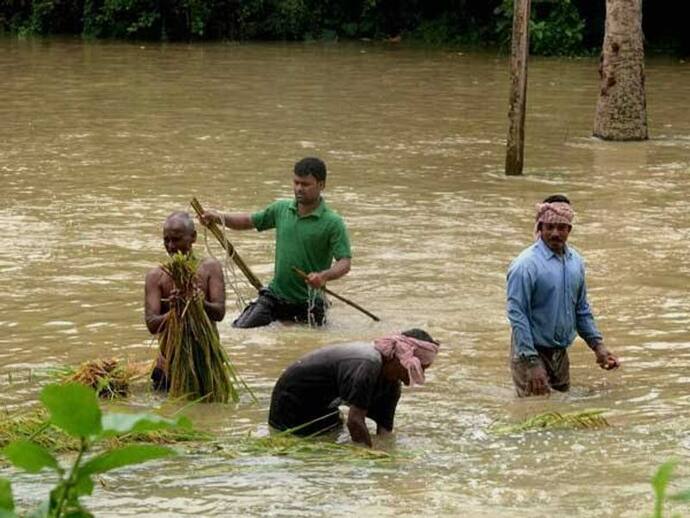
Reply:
x=304, y=276
x=227, y=245
x=518, y=87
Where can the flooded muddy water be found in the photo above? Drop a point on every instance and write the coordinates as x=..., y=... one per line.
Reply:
x=100, y=141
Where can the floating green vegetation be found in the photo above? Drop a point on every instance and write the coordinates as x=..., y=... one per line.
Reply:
x=587, y=419
x=195, y=361
x=35, y=425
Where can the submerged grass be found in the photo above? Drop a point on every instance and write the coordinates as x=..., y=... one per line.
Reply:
x=286, y=444
x=34, y=425
x=586, y=419
x=195, y=362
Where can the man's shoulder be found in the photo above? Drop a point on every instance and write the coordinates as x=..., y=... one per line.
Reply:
x=155, y=272
x=526, y=258
x=209, y=264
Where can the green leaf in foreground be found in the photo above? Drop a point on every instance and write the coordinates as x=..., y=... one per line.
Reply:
x=6, y=498
x=132, y=454
x=115, y=423
x=29, y=456
x=74, y=408
x=660, y=481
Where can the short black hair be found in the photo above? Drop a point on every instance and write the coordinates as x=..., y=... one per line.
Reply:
x=419, y=334
x=311, y=166
x=557, y=198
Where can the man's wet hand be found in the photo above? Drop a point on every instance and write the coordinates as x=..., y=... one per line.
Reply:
x=538, y=382
x=211, y=216
x=605, y=359
x=315, y=280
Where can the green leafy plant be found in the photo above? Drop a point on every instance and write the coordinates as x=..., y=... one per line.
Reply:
x=660, y=482
x=556, y=27
x=74, y=409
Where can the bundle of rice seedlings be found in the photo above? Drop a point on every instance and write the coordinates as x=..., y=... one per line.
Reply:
x=285, y=444
x=587, y=419
x=195, y=362
x=110, y=378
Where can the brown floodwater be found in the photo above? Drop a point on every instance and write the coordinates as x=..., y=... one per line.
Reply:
x=100, y=141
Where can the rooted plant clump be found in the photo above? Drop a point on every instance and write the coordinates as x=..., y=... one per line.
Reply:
x=195, y=362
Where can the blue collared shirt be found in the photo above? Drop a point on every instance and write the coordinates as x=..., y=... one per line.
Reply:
x=547, y=300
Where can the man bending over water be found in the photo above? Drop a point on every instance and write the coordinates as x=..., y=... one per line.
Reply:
x=365, y=376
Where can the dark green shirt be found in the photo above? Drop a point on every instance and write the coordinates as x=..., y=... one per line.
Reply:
x=308, y=242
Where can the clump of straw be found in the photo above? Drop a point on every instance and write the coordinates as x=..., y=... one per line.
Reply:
x=587, y=419
x=34, y=425
x=195, y=362
x=110, y=378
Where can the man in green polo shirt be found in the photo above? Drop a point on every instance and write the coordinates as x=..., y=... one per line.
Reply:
x=309, y=236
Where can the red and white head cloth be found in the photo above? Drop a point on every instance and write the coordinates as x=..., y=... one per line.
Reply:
x=410, y=352
x=554, y=212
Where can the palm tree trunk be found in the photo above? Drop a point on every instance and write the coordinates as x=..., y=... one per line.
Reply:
x=622, y=107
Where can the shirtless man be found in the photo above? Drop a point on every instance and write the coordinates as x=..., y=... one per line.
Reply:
x=178, y=236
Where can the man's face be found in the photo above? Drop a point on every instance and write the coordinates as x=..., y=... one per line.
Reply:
x=307, y=189
x=555, y=235
x=394, y=371
x=177, y=237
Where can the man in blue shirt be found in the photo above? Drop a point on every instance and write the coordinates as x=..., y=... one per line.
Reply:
x=548, y=307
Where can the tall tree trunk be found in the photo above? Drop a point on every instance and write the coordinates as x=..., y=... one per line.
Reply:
x=622, y=107
x=518, y=88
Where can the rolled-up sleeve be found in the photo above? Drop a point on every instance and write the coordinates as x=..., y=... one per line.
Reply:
x=519, y=295
x=265, y=219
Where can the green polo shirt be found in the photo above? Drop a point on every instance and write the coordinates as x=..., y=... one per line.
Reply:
x=308, y=242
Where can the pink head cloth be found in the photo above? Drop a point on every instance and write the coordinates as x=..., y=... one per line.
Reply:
x=410, y=352
x=554, y=212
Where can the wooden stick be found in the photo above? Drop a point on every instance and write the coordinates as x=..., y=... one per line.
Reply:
x=339, y=297
x=227, y=245
x=515, y=150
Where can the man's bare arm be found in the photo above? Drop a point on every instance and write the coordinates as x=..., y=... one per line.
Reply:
x=214, y=302
x=152, y=302
x=241, y=221
x=357, y=426
x=339, y=269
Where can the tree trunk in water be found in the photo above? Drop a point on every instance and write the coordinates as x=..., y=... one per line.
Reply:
x=622, y=107
x=518, y=87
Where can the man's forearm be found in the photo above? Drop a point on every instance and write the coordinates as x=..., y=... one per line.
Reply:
x=357, y=426
x=359, y=432
x=155, y=323
x=338, y=270
x=215, y=310
x=237, y=221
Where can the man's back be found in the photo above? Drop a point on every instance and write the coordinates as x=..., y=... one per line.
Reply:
x=317, y=383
